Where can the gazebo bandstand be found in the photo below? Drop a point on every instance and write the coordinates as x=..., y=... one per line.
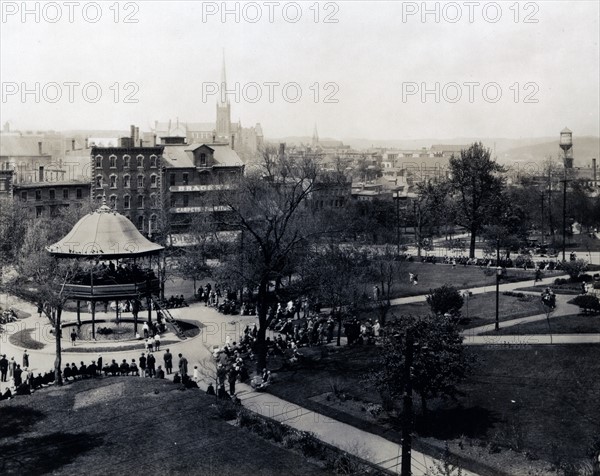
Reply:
x=105, y=235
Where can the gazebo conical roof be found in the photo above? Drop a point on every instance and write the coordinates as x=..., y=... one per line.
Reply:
x=104, y=233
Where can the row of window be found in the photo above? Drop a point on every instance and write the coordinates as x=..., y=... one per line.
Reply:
x=66, y=194
x=141, y=181
x=139, y=161
x=112, y=200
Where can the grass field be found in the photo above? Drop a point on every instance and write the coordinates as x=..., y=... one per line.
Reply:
x=571, y=324
x=124, y=425
x=555, y=415
x=24, y=339
x=480, y=309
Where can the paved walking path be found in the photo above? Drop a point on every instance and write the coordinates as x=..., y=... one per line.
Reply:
x=215, y=328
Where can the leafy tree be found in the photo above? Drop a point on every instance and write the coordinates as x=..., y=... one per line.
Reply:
x=439, y=359
x=477, y=183
x=431, y=209
x=271, y=206
x=445, y=299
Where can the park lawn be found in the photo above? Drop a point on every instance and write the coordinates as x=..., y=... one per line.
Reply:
x=126, y=425
x=431, y=276
x=479, y=310
x=555, y=414
x=570, y=324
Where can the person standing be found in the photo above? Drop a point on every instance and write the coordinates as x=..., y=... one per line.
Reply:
x=12, y=365
x=232, y=378
x=3, y=368
x=156, y=343
x=183, y=366
x=143, y=365
x=99, y=360
x=168, y=358
x=25, y=359
x=151, y=363
x=73, y=337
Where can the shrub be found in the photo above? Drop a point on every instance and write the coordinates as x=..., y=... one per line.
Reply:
x=446, y=299
x=587, y=303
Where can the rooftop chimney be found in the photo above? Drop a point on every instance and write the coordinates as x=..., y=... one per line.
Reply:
x=232, y=141
x=72, y=144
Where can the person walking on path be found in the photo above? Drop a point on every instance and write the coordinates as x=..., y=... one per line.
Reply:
x=25, y=359
x=183, y=366
x=151, y=363
x=168, y=358
x=73, y=337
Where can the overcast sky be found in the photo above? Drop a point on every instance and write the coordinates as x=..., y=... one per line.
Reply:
x=365, y=61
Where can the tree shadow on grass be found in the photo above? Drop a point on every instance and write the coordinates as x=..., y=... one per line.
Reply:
x=46, y=453
x=447, y=424
x=17, y=419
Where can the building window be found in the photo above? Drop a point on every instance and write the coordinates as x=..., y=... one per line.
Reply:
x=140, y=223
x=24, y=195
x=153, y=223
x=98, y=181
x=113, y=181
x=204, y=178
x=186, y=178
x=140, y=203
x=153, y=181
x=126, y=202
x=98, y=161
x=113, y=201
x=38, y=195
x=52, y=194
x=39, y=211
x=153, y=160
x=113, y=161
x=140, y=161
x=99, y=199
x=173, y=201
x=126, y=181
x=66, y=193
x=171, y=179
x=140, y=181
x=202, y=159
x=126, y=161
x=79, y=193
x=3, y=185
x=153, y=201
x=186, y=200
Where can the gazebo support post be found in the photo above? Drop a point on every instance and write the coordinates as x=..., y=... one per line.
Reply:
x=117, y=312
x=78, y=313
x=94, y=320
x=149, y=302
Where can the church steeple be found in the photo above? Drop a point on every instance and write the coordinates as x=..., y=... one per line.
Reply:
x=223, y=125
x=315, y=137
x=223, y=99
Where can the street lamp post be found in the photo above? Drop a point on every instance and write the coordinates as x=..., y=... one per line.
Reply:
x=498, y=274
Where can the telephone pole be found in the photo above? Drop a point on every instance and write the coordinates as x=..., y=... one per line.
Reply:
x=407, y=410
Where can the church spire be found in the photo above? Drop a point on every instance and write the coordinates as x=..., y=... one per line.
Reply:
x=223, y=99
x=315, y=137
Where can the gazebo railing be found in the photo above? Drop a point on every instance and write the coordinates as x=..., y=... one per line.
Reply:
x=111, y=291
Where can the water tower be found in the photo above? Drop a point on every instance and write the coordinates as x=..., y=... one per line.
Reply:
x=566, y=144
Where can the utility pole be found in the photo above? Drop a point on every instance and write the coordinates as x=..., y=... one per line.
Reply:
x=542, y=217
x=397, y=223
x=564, y=223
x=498, y=271
x=407, y=410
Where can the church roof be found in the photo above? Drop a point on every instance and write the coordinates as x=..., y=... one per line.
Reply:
x=104, y=233
x=181, y=155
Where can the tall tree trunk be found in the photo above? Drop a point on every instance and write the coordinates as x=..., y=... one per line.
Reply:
x=473, y=239
x=424, y=406
x=263, y=317
x=58, y=359
x=339, y=331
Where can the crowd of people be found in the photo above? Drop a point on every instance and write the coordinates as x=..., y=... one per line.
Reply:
x=520, y=261
x=111, y=273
